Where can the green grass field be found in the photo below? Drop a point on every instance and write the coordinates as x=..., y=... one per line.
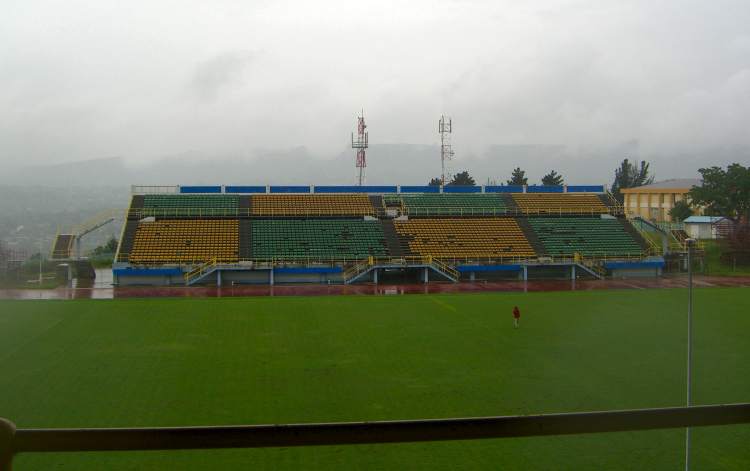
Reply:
x=169, y=362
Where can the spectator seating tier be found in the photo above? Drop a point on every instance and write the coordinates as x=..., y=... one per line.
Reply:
x=312, y=205
x=465, y=238
x=190, y=206
x=588, y=236
x=555, y=203
x=449, y=204
x=191, y=201
x=186, y=241
x=317, y=238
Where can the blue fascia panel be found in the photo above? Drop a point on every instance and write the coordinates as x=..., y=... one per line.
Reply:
x=462, y=189
x=419, y=189
x=245, y=189
x=200, y=189
x=503, y=189
x=307, y=270
x=479, y=268
x=585, y=188
x=146, y=271
x=632, y=265
x=544, y=189
x=290, y=189
x=355, y=189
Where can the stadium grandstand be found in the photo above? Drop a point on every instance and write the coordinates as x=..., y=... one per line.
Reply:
x=346, y=234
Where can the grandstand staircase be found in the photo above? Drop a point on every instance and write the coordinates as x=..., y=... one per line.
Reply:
x=531, y=236
x=68, y=246
x=642, y=241
x=379, y=205
x=391, y=238
x=126, y=240
x=200, y=272
x=62, y=249
x=593, y=268
x=246, y=239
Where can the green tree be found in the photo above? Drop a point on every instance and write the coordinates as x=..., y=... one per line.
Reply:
x=434, y=182
x=518, y=177
x=681, y=211
x=724, y=192
x=462, y=178
x=109, y=248
x=629, y=175
x=552, y=179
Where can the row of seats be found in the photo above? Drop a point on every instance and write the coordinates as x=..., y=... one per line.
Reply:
x=186, y=240
x=550, y=203
x=191, y=201
x=449, y=205
x=312, y=205
x=588, y=236
x=317, y=238
x=465, y=238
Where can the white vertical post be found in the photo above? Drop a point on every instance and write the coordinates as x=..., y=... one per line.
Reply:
x=40, y=263
x=689, y=243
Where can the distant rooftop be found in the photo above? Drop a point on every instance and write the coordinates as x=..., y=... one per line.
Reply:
x=673, y=184
x=703, y=219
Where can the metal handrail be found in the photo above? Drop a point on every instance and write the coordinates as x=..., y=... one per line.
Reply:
x=415, y=211
x=402, y=260
x=14, y=441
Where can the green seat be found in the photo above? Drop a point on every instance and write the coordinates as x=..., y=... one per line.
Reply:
x=588, y=236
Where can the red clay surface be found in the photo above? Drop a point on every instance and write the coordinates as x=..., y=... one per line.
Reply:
x=368, y=289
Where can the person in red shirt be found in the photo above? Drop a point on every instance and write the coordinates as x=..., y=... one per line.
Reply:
x=516, y=317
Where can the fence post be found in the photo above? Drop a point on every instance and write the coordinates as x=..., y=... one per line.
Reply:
x=7, y=432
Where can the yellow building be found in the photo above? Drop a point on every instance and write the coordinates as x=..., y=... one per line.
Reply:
x=653, y=202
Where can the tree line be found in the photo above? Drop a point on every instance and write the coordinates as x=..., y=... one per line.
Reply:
x=723, y=192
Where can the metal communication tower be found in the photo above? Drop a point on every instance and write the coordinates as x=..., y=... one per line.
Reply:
x=361, y=144
x=445, y=128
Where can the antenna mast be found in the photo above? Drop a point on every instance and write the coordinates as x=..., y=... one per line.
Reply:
x=445, y=128
x=361, y=144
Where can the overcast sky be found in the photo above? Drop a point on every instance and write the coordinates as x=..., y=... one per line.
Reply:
x=147, y=79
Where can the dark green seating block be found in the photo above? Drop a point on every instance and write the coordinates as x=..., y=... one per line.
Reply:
x=317, y=238
x=588, y=236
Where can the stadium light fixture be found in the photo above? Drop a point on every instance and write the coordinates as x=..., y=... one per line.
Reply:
x=690, y=243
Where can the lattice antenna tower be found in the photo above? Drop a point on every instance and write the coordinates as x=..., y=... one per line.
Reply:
x=445, y=128
x=360, y=144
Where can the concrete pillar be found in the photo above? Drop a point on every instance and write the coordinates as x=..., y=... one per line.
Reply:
x=525, y=273
x=270, y=277
x=471, y=276
x=375, y=275
x=218, y=278
x=426, y=275
x=572, y=272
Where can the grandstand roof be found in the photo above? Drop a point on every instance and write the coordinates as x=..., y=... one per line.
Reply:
x=675, y=185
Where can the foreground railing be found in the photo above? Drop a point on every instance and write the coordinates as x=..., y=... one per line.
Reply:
x=14, y=441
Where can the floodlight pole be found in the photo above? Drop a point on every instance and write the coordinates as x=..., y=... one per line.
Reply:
x=689, y=243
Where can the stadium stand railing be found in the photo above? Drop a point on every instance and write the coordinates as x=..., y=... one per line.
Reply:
x=199, y=271
x=14, y=441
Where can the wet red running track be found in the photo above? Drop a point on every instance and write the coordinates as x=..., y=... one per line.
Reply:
x=367, y=289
